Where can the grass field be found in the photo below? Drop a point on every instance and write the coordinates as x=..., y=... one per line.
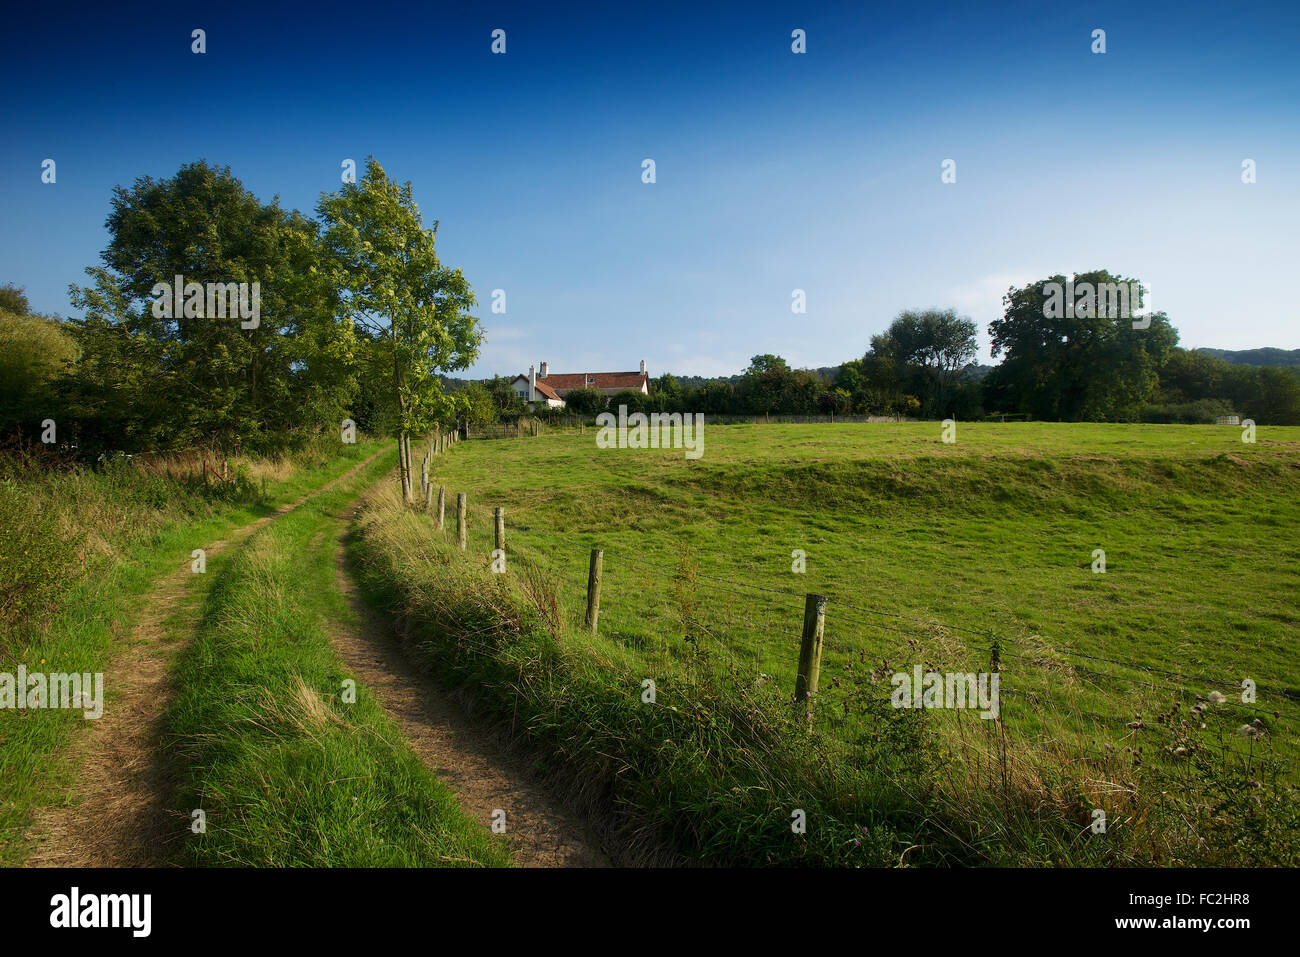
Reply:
x=914, y=541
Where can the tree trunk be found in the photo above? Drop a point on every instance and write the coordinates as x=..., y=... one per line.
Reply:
x=404, y=456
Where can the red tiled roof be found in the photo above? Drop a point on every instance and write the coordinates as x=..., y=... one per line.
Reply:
x=546, y=390
x=594, y=380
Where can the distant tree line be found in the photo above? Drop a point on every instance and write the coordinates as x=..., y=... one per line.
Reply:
x=1084, y=364
x=359, y=319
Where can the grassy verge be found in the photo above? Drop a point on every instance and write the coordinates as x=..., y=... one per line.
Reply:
x=718, y=765
x=287, y=771
x=81, y=551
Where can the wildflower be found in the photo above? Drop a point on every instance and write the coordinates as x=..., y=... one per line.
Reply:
x=1216, y=697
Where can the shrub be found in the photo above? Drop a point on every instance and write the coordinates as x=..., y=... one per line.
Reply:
x=1200, y=412
x=585, y=402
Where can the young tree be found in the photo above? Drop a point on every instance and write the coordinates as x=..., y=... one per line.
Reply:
x=478, y=405
x=506, y=399
x=392, y=284
x=634, y=399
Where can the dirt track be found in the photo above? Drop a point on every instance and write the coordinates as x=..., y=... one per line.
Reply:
x=484, y=774
x=115, y=813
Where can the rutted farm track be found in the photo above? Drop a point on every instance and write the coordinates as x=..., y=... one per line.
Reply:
x=116, y=812
x=119, y=809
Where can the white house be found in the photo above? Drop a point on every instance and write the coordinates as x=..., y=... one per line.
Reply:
x=550, y=389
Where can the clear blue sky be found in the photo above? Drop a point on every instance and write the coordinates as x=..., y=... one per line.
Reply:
x=775, y=171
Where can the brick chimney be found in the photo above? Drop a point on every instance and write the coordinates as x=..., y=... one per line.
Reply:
x=544, y=370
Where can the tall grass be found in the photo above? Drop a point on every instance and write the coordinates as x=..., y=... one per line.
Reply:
x=66, y=523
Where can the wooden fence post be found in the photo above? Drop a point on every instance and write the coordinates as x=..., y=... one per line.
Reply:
x=810, y=653
x=428, y=496
x=500, y=516
x=593, y=588
x=461, y=509
x=442, y=504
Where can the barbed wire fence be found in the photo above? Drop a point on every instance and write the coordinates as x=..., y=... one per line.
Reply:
x=825, y=650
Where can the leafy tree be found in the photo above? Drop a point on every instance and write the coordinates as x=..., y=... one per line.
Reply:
x=479, y=405
x=767, y=384
x=666, y=394
x=1081, y=367
x=834, y=402
x=215, y=380
x=714, y=397
x=506, y=399
x=14, y=301
x=872, y=381
x=935, y=344
x=1278, y=401
x=34, y=352
x=382, y=259
x=1188, y=375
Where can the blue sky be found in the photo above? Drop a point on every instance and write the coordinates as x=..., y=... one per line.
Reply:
x=775, y=171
